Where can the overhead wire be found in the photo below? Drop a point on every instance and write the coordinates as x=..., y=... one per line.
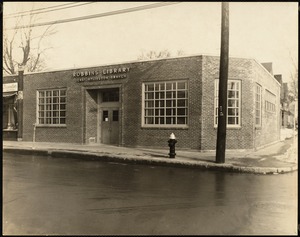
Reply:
x=122, y=11
x=17, y=13
x=36, y=13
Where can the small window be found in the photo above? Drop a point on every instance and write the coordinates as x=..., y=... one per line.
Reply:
x=105, y=116
x=116, y=115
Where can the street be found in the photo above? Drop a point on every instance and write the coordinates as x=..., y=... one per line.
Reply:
x=45, y=195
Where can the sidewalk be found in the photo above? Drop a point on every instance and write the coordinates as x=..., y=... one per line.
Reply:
x=281, y=157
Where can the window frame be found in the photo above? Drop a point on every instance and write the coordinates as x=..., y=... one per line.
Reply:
x=48, y=107
x=270, y=106
x=256, y=102
x=165, y=107
x=216, y=98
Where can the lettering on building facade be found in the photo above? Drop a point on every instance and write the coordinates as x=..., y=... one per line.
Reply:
x=105, y=74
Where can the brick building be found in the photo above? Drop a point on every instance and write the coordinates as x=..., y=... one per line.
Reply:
x=141, y=103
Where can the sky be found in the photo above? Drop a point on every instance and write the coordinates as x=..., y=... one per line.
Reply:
x=265, y=31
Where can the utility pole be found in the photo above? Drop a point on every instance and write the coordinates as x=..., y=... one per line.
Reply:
x=20, y=102
x=223, y=79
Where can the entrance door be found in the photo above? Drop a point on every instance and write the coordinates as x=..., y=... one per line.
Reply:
x=110, y=126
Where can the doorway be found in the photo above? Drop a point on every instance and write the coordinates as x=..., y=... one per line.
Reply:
x=109, y=116
x=110, y=126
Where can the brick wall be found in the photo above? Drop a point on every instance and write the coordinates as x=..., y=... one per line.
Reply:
x=73, y=131
x=162, y=70
x=236, y=138
x=270, y=129
x=199, y=71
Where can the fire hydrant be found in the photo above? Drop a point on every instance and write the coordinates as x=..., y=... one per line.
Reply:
x=172, y=141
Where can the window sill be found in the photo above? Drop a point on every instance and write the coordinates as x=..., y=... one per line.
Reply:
x=184, y=127
x=51, y=125
x=231, y=128
x=9, y=130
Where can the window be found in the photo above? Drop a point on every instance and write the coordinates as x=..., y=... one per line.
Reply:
x=9, y=113
x=233, y=103
x=258, y=105
x=165, y=104
x=52, y=106
x=270, y=102
x=110, y=96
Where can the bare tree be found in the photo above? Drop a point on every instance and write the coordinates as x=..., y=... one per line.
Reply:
x=158, y=54
x=293, y=85
x=32, y=50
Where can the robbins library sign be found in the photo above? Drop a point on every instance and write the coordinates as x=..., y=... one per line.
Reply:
x=105, y=74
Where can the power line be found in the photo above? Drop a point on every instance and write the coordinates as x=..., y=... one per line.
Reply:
x=133, y=9
x=17, y=13
x=32, y=13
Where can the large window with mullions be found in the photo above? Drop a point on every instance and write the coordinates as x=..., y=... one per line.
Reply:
x=165, y=104
x=233, y=103
x=51, y=107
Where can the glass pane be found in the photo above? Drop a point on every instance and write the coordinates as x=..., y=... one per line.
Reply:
x=180, y=94
x=149, y=104
x=105, y=116
x=231, y=112
x=168, y=94
x=150, y=87
x=162, y=120
x=168, y=120
x=149, y=120
x=41, y=93
x=62, y=106
x=156, y=112
x=168, y=86
x=162, y=86
x=181, y=85
x=162, y=112
x=181, y=112
x=41, y=100
x=231, y=120
x=162, y=103
x=62, y=113
x=149, y=112
x=55, y=100
x=48, y=93
x=116, y=115
x=168, y=112
x=62, y=92
x=150, y=95
x=156, y=95
x=168, y=103
x=181, y=103
x=181, y=120
x=62, y=99
x=55, y=121
x=55, y=93
x=162, y=95
x=56, y=107
x=62, y=121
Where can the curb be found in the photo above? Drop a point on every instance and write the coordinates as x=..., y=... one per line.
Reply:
x=143, y=160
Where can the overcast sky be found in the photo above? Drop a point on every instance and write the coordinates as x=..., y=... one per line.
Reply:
x=267, y=32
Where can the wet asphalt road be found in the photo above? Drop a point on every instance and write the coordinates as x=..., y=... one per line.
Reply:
x=44, y=195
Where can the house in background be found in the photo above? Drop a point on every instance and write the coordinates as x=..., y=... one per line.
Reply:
x=286, y=106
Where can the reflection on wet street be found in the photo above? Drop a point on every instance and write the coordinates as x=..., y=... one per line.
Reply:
x=45, y=195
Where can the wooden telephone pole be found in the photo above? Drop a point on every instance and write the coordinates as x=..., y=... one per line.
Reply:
x=223, y=79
